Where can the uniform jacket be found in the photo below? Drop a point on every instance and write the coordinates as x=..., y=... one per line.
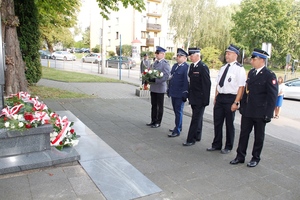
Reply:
x=145, y=64
x=160, y=85
x=200, y=84
x=260, y=94
x=178, y=84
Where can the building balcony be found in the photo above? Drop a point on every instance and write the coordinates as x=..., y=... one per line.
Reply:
x=152, y=13
x=157, y=1
x=150, y=42
x=153, y=27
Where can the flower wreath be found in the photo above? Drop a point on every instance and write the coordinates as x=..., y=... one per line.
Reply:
x=23, y=112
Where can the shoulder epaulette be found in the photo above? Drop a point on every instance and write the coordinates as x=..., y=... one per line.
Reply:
x=239, y=64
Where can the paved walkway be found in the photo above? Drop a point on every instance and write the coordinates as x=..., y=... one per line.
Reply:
x=118, y=117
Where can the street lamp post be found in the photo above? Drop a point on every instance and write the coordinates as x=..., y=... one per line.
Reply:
x=120, y=59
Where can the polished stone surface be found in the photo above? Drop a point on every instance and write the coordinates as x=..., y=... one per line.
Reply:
x=35, y=160
x=114, y=176
x=21, y=142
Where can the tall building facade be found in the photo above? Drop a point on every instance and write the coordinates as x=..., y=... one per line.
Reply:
x=143, y=30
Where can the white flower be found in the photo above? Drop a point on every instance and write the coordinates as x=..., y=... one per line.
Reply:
x=21, y=124
x=15, y=116
x=12, y=126
x=150, y=71
x=53, y=134
x=20, y=117
x=146, y=70
x=161, y=74
x=154, y=70
x=6, y=124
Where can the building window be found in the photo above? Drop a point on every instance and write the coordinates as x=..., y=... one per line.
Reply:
x=109, y=43
x=109, y=29
x=144, y=34
x=117, y=19
x=155, y=34
x=117, y=35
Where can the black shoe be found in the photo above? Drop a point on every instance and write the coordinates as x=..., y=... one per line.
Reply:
x=225, y=151
x=155, y=126
x=171, y=130
x=188, y=144
x=150, y=124
x=212, y=149
x=198, y=140
x=173, y=135
x=236, y=161
x=252, y=164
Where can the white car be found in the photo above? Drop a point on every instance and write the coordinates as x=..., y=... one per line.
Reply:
x=291, y=89
x=63, y=55
x=92, y=58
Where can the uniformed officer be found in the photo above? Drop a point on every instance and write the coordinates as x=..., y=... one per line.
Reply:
x=257, y=106
x=230, y=82
x=145, y=64
x=199, y=94
x=178, y=89
x=158, y=87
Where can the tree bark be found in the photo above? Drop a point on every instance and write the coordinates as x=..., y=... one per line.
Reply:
x=15, y=79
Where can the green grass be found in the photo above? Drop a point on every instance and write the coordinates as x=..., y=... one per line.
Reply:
x=67, y=76
x=53, y=93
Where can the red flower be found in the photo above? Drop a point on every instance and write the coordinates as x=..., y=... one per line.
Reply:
x=5, y=119
x=72, y=131
x=27, y=125
x=28, y=116
x=61, y=143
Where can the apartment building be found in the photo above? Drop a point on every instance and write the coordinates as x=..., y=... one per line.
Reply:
x=143, y=30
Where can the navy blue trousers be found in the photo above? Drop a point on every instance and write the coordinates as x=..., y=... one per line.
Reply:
x=178, y=105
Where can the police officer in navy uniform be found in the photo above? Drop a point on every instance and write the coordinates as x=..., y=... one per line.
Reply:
x=230, y=81
x=257, y=107
x=199, y=94
x=158, y=87
x=178, y=89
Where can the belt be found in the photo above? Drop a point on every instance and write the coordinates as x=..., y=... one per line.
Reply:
x=227, y=94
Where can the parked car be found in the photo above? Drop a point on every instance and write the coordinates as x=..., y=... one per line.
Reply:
x=45, y=54
x=291, y=89
x=63, y=55
x=85, y=50
x=92, y=57
x=126, y=62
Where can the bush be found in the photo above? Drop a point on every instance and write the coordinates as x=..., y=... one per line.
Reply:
x=126, y=50
x=96, y=49
x=111, y=53
x=150, y=54
x=210, y=56
x=169, y=55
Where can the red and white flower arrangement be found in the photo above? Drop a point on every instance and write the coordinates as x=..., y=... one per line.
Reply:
x=148, y=75
x=23, y=112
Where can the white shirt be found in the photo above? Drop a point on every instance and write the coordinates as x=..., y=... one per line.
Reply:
x=235, y=78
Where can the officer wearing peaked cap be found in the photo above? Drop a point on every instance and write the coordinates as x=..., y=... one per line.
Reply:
x=158, y=87
x=198, y=95
x=178, y=89
x=230, y=87
x=257, y=107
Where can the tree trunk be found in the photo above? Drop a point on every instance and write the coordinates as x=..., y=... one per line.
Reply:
x=15, y=80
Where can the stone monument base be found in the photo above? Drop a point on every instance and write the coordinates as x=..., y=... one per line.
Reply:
x=142, y=93
x=29, y=149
